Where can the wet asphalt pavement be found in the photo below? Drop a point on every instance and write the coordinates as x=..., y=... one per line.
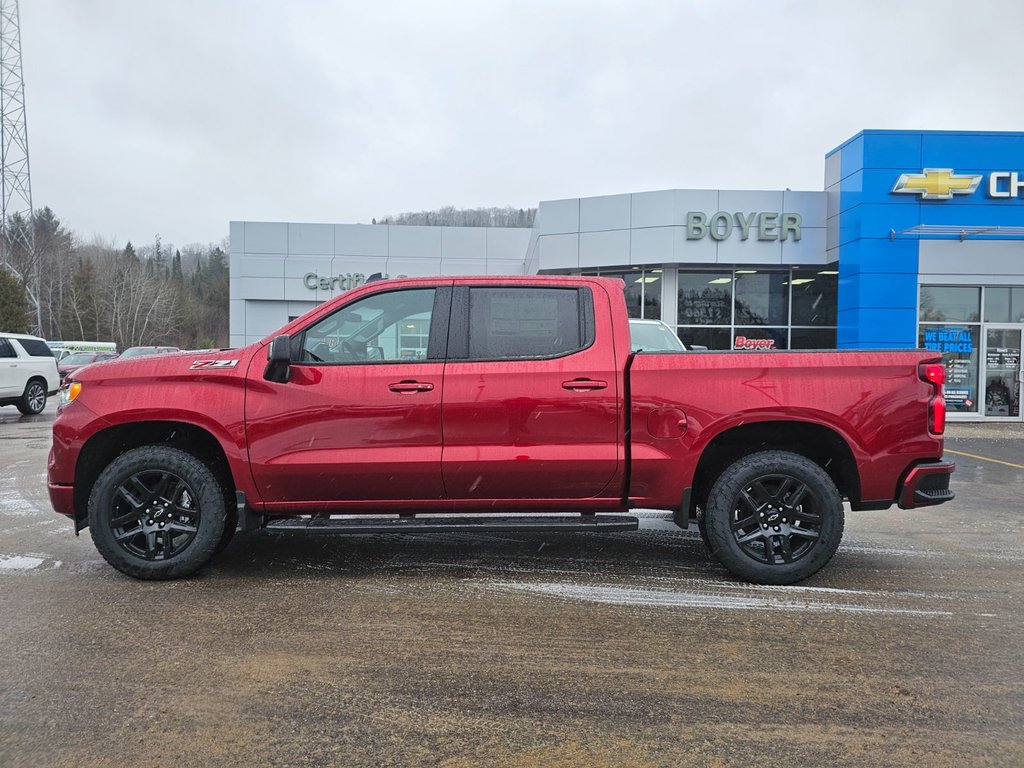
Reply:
x=628, y=649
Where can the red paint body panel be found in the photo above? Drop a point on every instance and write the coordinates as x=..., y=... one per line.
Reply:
x=874, y=400
x=513, y=434
x=338, y=434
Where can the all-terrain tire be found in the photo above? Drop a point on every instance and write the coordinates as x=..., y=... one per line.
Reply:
x=157, y=512
x=774, y=517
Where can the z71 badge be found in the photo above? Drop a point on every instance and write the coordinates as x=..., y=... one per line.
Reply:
x=212, y=364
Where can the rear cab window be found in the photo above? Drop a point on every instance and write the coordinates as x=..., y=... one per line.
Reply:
x=521, y=323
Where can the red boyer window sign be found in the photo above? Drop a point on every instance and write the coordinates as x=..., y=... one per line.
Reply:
x=742, y=342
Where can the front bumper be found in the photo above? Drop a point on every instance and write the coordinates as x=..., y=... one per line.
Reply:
x=926, y=485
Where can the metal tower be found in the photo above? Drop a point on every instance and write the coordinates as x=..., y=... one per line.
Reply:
x=17, y=251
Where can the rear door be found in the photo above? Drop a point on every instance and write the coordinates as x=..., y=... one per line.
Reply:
x=531, y=400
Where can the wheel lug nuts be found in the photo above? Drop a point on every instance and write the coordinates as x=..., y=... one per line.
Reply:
x=761, y=514
x=776, y=527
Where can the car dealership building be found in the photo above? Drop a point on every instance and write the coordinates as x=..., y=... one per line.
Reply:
x=917, y=239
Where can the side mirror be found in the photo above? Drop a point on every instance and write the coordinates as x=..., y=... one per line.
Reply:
x=279, y=356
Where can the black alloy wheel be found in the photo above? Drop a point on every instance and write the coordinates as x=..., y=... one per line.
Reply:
x=157, y=512
x=155, y=515
x=774, y=517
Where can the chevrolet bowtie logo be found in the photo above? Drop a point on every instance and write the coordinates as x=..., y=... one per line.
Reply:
x=937, y=183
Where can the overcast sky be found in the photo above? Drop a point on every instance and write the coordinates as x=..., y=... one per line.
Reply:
x=176, y=117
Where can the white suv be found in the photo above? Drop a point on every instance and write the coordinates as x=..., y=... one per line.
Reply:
x=28, y=372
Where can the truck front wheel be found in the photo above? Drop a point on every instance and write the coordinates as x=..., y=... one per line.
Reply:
x=774, y=517
x=157, y=512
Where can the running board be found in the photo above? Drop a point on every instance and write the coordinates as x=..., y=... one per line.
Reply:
x=357, y=525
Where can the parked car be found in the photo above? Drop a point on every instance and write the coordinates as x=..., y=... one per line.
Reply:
x=508, y=395
x=63, y=348
x=146, y=351
x=76, y=360
x=28, y=372
x=653, y=336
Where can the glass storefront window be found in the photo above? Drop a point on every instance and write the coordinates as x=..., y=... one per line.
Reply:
x=812, y=338
x=643, y=290
x=652, y=294
x=762, y=298
x=959, y=345
x=712, y=338
x=634, y=292
x=1002, y=371
x=1004, y=305
x=956, y=303
x=815, y=300
x=705, y=298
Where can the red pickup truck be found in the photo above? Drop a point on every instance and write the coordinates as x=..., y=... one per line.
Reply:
x=475, y=402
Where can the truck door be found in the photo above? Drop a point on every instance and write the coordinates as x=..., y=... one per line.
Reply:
x=531, y=400
x=360, y=417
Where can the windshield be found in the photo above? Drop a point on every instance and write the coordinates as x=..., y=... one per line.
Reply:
x=139, y=352
x=654, y=337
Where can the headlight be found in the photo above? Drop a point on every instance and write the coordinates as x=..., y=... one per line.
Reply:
x=69, y=393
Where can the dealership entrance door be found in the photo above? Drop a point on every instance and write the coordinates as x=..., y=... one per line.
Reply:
x=1002, y=373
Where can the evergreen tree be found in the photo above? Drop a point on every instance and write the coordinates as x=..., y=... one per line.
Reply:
x=13, y=304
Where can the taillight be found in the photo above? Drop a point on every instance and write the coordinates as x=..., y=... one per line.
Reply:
x=935, y=374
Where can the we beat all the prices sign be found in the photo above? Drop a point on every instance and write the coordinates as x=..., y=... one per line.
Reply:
x=742, y=342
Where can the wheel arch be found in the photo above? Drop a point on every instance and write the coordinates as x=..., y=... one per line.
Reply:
x=821, y=444
x=107, y=444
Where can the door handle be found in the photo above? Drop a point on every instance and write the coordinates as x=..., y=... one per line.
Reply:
x=410, y=387
x=584, y=385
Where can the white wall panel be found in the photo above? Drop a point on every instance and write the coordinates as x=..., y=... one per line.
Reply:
x=733, y=250
x=261, y=288
x=414, y=267
x=414, y=242
x=264, y=317
x=259, y=266
x=236, y=237
x=810, y=249
x=654, y=245
x=266, y=237
x=555, y=217
x=464, y=243
x=505, y=267
x=602, y=213
x=311, y=239
x=559, y=251
x=702, y=251
x=507, y=243
x=360, y=239
x=604, y=249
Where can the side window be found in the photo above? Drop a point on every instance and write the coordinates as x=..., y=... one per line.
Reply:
x=393, y=326
x=6, y=350
x=510, y=323
x=36, y=348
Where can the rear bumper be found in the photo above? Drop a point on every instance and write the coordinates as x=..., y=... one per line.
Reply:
x=926, y=485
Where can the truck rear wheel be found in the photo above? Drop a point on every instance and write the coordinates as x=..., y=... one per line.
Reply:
x=157, y=512
x=774, y=517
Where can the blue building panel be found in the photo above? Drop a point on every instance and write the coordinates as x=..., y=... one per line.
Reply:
x=878, y=257
x=990, y=151
x=891, y=149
